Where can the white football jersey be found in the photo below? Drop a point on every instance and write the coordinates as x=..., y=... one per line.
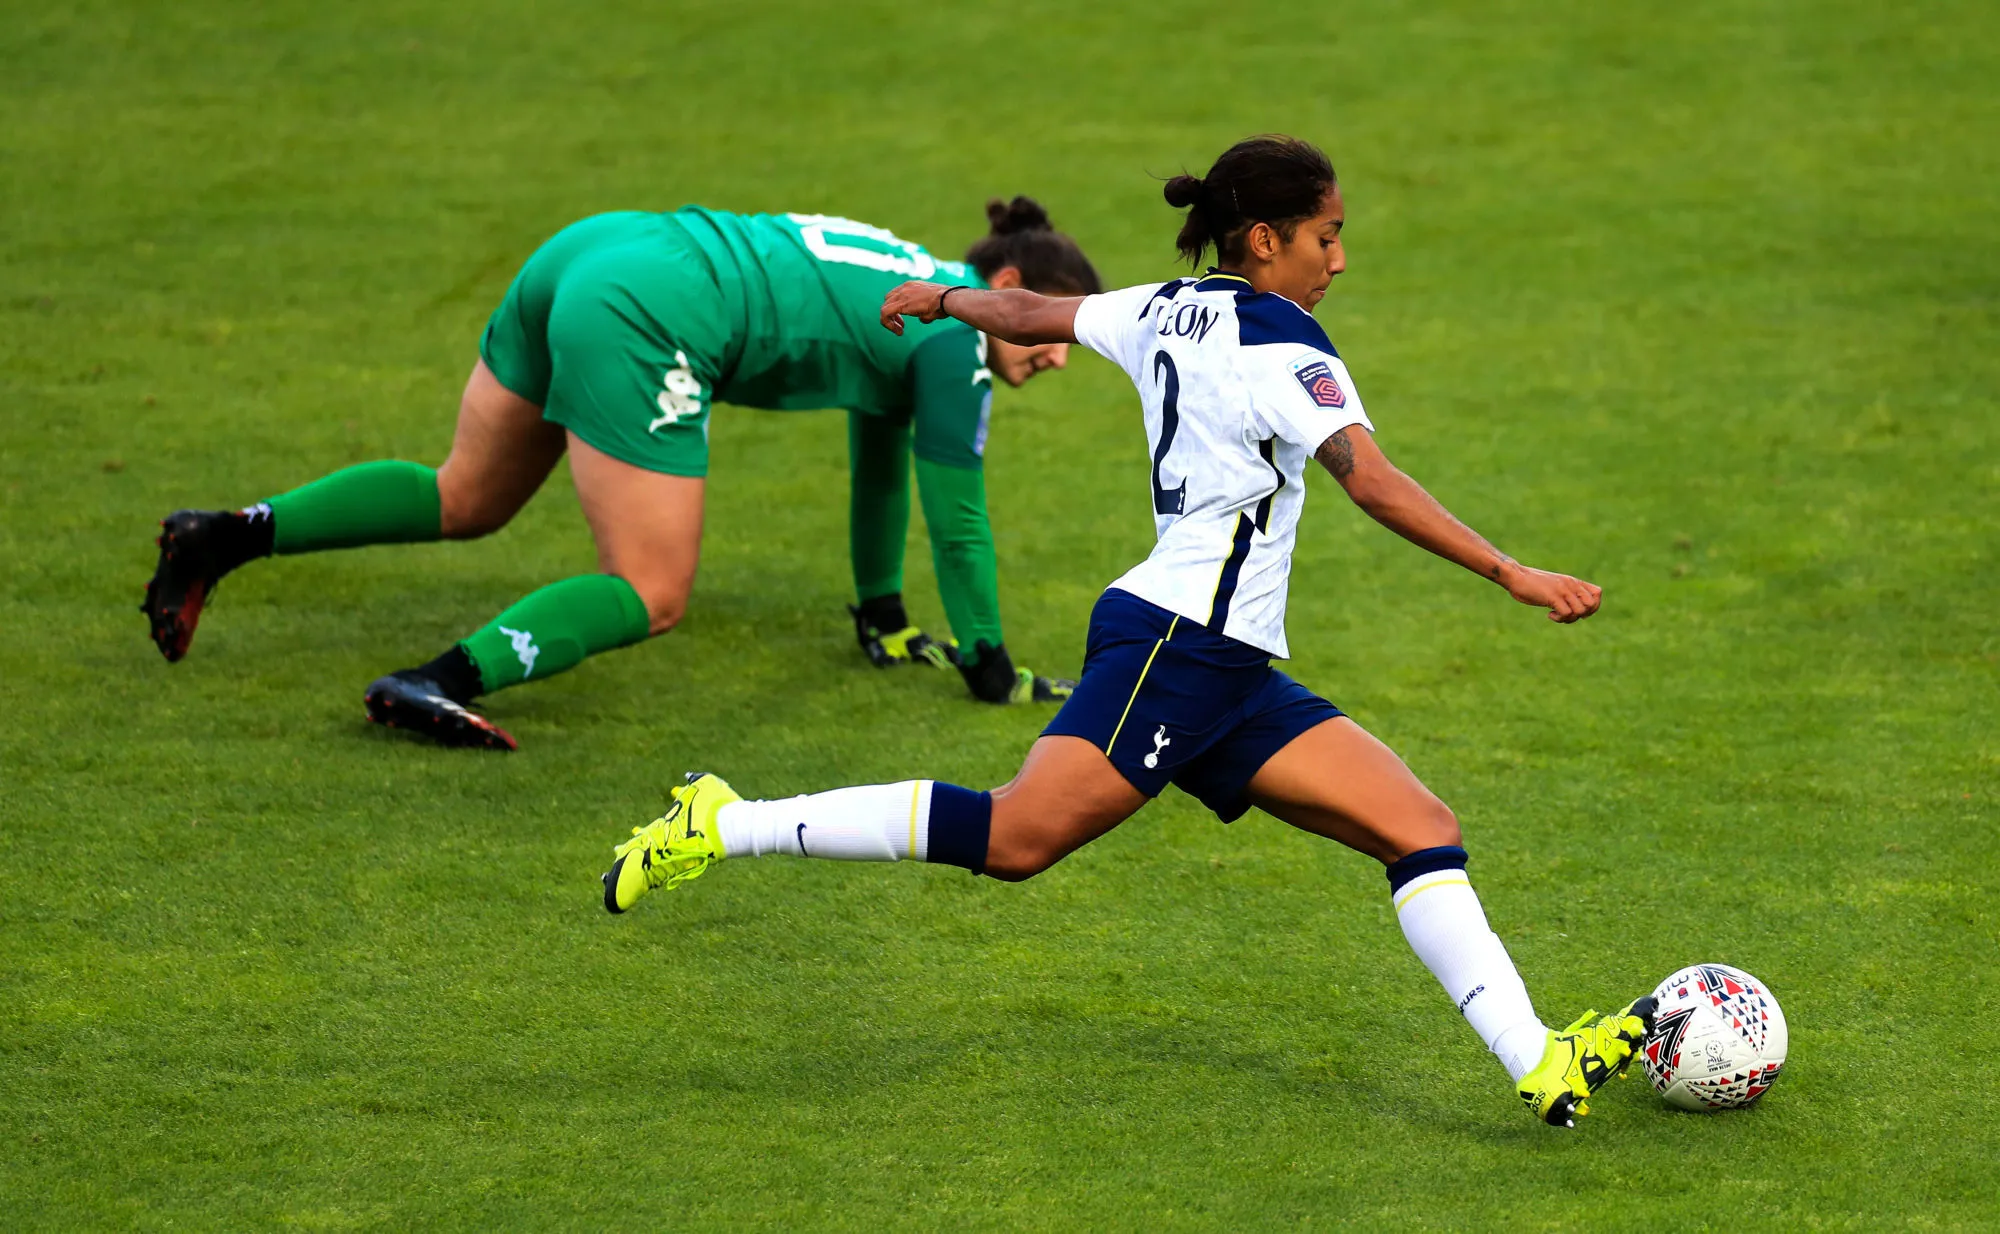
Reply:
x=1240, y=388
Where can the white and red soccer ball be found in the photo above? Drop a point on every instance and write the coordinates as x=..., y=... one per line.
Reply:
x=1718, y=1038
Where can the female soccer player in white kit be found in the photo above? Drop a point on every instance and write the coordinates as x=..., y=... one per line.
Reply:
x=1240, y=388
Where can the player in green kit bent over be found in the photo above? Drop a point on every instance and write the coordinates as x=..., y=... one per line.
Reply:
x=611, y=344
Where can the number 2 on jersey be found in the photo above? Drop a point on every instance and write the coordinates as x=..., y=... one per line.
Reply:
x=1166, y=500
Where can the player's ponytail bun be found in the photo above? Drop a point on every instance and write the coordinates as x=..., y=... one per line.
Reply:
x=1273, y=179
x=1018, y=215
x=1020, y=235
x=1184, y=192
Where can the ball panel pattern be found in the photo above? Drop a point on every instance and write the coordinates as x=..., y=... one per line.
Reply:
x=1719, y=1039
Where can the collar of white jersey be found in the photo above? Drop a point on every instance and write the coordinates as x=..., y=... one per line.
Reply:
x=1214, y=279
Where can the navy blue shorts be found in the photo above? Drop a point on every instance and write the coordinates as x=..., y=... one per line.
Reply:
x=1170, y=701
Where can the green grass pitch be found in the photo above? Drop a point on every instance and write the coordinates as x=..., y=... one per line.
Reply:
x=1695, y=301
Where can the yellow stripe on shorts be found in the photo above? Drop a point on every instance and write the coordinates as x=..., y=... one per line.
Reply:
x=1171, y=626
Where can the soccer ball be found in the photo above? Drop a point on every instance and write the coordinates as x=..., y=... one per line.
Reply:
x=1718, y=1038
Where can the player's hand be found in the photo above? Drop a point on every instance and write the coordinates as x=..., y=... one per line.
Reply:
x=922, y=301
x=1567, y=599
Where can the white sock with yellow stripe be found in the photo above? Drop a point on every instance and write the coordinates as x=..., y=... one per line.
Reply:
x=876, y=822
x=1441, y=917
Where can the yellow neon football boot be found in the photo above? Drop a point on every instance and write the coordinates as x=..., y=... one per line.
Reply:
x=679, y=845
x=909, y=645
x=1582, y=1058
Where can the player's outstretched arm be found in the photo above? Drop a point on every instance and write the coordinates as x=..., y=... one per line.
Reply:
x=1014, y=314
x=1399, y=503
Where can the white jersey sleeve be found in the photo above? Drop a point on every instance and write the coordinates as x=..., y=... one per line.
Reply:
x=1303, y=395
x=1115, y=325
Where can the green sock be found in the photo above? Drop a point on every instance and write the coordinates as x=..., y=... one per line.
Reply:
x=878, y=522
x=552, y=630
x=384, y=502
x=968, y=574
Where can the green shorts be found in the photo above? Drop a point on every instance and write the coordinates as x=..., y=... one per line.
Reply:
x=615, y=328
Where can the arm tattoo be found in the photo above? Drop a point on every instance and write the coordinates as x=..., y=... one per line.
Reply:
x=1336, y=454
x=1494, y=572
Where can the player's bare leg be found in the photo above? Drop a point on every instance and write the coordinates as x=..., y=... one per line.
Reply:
x=647, y=526
x=1065, y=795
x=1338, y=781
x=501, y=453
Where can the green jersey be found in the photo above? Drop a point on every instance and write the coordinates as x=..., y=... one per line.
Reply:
x=803, y=294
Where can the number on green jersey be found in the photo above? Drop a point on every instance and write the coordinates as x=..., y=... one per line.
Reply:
x=849, y=243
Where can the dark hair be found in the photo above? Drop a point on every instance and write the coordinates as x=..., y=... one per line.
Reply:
x=1271, y=179
x=1021, y=237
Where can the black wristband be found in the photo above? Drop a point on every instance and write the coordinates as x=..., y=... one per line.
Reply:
x=943, y=295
